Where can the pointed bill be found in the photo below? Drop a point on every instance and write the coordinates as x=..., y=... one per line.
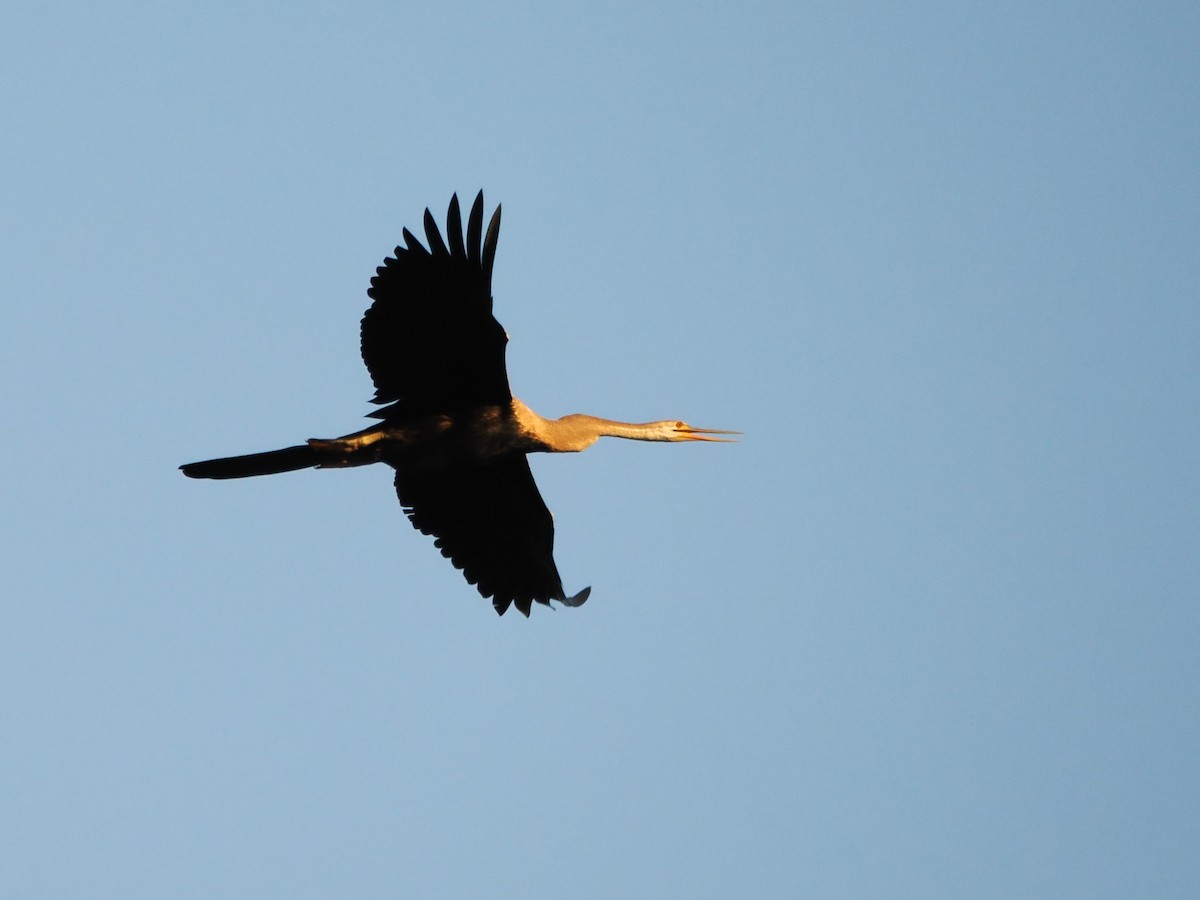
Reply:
x=688, y=433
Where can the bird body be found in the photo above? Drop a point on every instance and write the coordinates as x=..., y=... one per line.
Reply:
x=451, y=428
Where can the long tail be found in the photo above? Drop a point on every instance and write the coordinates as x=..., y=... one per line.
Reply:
x=289, y=459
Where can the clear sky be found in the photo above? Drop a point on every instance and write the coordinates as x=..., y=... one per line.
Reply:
x=929, y=630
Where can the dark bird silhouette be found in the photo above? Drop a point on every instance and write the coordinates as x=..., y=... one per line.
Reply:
x=450, y=426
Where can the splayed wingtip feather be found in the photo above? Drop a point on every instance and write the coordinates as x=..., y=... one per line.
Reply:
x=454, y=232
x=436, y=245
x=475, y=228
x=489, y=243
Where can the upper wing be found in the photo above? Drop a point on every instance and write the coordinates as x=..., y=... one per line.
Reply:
x=491, y=522
x=429, y=339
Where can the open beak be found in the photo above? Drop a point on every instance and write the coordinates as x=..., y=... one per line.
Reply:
x=688, y=433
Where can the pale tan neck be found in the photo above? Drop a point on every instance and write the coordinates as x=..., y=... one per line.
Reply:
x=575, y=432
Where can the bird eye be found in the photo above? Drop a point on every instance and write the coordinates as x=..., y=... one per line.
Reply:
x=681, y=425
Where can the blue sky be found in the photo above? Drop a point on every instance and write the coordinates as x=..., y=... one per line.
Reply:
x=929, y=630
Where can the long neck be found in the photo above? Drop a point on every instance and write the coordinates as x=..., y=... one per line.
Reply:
x=590, y=428
x=578, y=432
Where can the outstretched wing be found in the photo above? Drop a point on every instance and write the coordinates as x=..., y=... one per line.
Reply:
x=491, y=522
x=429, y=338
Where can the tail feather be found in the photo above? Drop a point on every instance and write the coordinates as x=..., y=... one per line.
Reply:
x=289, y=459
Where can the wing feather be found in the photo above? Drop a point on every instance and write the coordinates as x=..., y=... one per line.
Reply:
x=454, y=229
x=490, y=521
x=436, y=245
x=413, y=243
x=489, y=244
x=475, y=228
x=429, y=339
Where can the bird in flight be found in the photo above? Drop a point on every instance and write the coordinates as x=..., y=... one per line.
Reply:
x=449, y=425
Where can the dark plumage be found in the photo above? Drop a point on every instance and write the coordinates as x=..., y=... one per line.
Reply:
x=450, y=426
